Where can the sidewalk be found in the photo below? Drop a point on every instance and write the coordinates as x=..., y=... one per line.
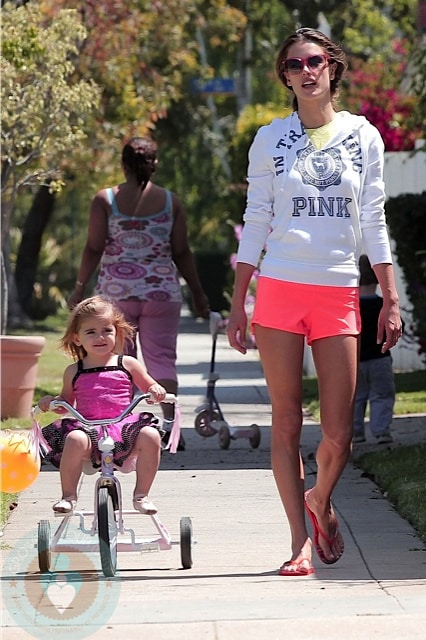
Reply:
x=377, y=590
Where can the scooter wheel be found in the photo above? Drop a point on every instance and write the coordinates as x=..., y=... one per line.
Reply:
x=255, y=437
x=203, y=424
x=224, y=437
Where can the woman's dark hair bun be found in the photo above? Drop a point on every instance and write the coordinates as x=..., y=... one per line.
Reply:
x=139, y=157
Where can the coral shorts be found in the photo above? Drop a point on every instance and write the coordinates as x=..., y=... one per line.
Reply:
x=314, y=311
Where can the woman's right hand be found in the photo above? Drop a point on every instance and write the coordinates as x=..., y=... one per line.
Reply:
x=237, y=329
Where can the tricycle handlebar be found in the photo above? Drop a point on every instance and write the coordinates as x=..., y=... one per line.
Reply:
x=56, y=404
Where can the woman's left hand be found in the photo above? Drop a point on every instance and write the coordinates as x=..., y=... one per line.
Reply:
x=201, y=305
x=389, y=326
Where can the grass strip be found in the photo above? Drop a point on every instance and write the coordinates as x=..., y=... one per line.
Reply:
x=400, y=474
x=7, y=502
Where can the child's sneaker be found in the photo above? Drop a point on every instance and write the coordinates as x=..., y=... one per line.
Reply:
x=166, y=432
x=358, y=438
x=384, y=438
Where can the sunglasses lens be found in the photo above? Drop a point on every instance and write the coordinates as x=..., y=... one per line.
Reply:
x=316, y=61
x=296, y=65
x=293, y=65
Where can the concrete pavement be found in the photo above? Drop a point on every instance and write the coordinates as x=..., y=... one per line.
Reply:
x=376, y=590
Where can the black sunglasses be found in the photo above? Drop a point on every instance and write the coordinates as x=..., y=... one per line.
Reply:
x=296, y=65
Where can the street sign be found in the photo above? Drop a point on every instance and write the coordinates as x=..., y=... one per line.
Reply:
x=214, y=86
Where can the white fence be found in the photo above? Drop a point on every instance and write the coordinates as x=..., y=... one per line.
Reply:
x=403, y=173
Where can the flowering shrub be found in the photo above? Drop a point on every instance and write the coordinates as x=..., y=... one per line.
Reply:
x=372, y=92
x=389, y=118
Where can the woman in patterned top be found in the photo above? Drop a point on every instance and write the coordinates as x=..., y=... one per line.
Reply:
x=138, y=234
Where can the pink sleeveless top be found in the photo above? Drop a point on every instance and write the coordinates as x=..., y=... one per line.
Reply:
x=102, y=392
x=137, y=262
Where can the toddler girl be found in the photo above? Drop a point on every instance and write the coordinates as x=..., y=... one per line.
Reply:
x=100, y=385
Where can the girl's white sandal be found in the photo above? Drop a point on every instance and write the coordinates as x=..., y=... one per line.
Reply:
x=144, y=505
x=65, y=505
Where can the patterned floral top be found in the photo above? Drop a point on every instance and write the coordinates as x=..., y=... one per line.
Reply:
x=137, y=262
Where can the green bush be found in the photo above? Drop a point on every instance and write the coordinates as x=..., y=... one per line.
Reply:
x=215, y=274
x=406, y=219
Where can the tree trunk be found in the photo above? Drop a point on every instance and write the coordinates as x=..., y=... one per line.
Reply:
x=12, y=313
x=3, y=296
x=28, y=254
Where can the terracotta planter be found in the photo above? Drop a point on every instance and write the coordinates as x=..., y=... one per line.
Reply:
x=19, y=364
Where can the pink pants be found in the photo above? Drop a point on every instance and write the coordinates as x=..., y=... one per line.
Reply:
x=157, y=326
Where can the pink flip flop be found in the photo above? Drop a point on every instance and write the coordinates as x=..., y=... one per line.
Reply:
x=318, y=532
x=303, y=567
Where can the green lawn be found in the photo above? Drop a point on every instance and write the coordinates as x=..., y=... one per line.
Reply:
x=401, y=475
x=410, y=393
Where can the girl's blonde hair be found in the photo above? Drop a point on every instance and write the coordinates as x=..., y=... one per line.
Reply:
x=95, y=306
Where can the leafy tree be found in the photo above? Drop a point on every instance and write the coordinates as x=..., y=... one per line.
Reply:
x=197, y=154
x=136, y=54
x=144, y=55
x=370, y=26
x=416, y=86
x=44, y=108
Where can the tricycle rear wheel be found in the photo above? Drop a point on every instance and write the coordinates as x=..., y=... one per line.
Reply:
x=43, y=544
x=186, y=542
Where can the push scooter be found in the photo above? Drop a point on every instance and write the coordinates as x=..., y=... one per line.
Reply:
x=210, y=420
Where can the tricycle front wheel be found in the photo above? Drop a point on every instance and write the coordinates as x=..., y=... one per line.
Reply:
x=107, y=531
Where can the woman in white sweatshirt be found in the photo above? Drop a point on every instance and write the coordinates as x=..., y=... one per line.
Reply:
x=315, y=202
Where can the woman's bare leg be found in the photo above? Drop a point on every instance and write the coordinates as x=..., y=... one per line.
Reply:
x=336, y=365
x=282, y=359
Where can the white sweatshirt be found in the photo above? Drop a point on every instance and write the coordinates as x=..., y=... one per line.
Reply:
x=314, y=212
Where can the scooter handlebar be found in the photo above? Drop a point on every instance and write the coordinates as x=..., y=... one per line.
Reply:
x=216, y=323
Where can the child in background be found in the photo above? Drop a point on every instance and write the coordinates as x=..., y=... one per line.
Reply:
x=376, y=383
x=100, y=385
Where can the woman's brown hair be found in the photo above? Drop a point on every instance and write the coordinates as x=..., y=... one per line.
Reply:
x=333, y=50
